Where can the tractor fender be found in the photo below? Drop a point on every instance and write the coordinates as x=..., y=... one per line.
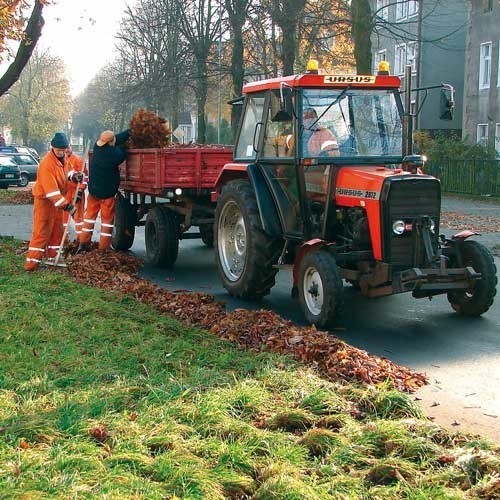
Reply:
x=463, y=235
x=268, y=211
x=452, y=246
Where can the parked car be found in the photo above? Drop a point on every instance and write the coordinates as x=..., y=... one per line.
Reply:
x=14, y=148
x=10, y=175
x=27, y=164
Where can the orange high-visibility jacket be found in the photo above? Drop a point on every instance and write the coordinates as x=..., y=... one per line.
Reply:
x=77, y=164
x=51, y=180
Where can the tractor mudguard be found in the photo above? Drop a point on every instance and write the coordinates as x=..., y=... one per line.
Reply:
x=267, y=208
x=463, y=235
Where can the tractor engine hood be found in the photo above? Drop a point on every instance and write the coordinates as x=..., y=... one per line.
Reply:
x=363, y=187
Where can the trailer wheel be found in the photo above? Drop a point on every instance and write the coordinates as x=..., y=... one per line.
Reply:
x=207, y=234
x=244, y=253
x=479, y=297
x=320, y=288
x=124, y=226
x=162, y=237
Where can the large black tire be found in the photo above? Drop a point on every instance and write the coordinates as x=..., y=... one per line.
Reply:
x=245, y=255
x=162, y=237
x=321, y=294
x=207, y=234
x=479, y=298
x=124, y=226
x=24, y=180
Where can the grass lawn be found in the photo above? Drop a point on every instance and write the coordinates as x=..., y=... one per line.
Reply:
x=103, y=397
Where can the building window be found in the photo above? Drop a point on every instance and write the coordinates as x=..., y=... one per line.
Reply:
x=378, y=57
x=484, y=65
x=382, y=9
x=497, y=138
x=498, y=74
x=401, y=10
x=411, y=56
x=482, y=133
x=412, y=7
x=400, y=59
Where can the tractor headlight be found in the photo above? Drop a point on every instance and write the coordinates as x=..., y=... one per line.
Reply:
x=398, y=227
x=178, y=191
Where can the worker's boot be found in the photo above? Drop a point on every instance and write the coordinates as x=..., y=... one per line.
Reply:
x=31, y=266
x=83, y=247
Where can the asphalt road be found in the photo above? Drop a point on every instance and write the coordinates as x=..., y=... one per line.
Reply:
x=460, y=355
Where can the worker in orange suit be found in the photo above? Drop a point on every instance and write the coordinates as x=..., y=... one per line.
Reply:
x=76, y=164
x=50, y=202
x=104, y=181
x=317, y=140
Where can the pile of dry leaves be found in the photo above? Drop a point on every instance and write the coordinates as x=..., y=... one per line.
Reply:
x=148, y=130
x=479, y=223
x=256, y=330
x=21, y=197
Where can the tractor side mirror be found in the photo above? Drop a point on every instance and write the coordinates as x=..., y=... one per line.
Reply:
x=446, y=102
x=284, y=111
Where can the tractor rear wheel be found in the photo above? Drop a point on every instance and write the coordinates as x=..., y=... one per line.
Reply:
x=320, y=288
x=162, y=237
x=479, y=297
x=244, y=253
x=207, y=234
x=124, y=226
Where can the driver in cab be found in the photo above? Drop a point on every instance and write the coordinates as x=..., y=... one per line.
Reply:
x=318, y=141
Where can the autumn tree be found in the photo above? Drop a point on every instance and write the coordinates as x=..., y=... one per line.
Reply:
x=200, y=25
x=100, y=107
x=14, y=28
x=39, y=102
x=155, y=54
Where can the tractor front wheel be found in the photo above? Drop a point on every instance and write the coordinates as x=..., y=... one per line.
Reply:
x=477, y=299
x=320, y=288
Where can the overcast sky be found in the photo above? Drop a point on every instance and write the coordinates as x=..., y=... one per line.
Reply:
x=81, y=33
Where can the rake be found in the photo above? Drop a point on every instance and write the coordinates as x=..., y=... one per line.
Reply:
x=65, y=234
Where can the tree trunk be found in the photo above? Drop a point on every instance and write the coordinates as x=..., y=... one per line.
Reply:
x=201, y=100
x=32, y=34
x=362, y=26
x=237, y=19
x=286, y=15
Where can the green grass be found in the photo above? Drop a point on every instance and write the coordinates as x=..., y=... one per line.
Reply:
x=102, y=397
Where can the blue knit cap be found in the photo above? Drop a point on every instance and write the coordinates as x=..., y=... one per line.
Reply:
x=59, y=140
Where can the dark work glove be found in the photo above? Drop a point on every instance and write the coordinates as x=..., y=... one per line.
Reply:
x=79, y=196
x=77, y=177
x=70, y=208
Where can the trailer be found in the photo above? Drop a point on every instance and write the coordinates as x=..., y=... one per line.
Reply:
x=169, y=191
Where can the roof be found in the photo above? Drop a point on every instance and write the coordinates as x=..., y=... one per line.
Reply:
x=327, y=81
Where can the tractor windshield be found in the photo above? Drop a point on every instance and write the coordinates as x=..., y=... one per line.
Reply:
x=350, y=123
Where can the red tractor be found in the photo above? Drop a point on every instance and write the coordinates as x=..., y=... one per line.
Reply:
x=339, y=196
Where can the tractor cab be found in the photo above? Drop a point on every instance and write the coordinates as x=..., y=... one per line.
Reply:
x=300, y=130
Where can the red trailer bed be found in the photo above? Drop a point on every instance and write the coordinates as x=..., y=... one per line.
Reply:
x=155, y=171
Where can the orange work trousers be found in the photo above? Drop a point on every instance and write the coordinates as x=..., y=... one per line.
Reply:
x=47, y=232
x=107, y=208
x=78, y=215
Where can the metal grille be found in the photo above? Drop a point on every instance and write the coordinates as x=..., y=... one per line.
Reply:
x=406, y=199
